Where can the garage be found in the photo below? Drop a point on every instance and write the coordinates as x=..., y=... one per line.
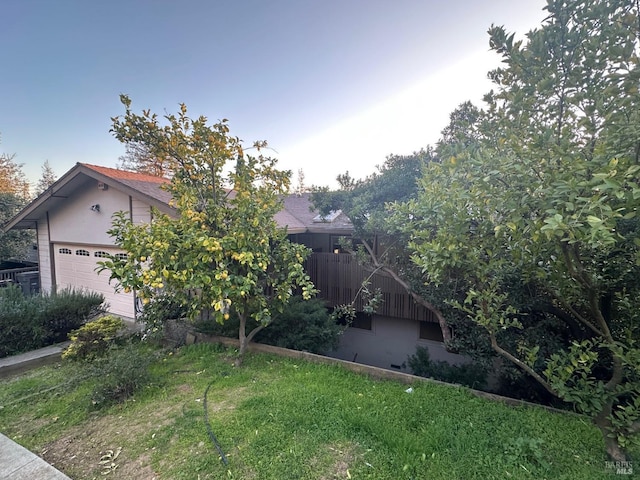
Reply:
x=75, y=266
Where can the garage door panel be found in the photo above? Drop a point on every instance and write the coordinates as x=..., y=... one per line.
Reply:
x=79, y=271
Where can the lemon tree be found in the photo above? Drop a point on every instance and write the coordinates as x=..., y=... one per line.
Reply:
x=223, y=253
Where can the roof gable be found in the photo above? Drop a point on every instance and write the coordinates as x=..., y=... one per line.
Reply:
x=146, y=188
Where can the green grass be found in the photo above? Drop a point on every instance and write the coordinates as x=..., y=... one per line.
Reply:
x=283, y=419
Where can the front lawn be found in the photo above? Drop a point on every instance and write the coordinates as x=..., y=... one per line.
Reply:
x=278, y=418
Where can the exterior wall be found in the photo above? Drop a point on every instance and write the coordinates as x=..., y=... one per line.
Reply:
x=44, y=255
x=388, y=344
x=339, y=277
x=75, y=222
x=140, y=211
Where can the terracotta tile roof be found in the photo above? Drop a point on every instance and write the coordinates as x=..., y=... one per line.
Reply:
x=117, y=174
x=149, y=185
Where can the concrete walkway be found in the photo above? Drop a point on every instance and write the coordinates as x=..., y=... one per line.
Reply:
x=16, y=462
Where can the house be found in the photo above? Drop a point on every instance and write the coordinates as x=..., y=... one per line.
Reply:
x=72, y=217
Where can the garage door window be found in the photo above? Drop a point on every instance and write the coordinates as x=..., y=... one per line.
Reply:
x=83, y=253
x=101, y=254
x=65, y=251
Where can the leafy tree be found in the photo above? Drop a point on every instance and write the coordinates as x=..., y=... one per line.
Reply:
x=47, y=178
x=138, y=158
x=12, y=178
x=223, y=252
x=535, y=213
x=14, y=194
x=379, y=243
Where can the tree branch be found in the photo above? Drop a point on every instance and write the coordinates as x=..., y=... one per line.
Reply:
x=253, y=333
x=446, y=332
x=521, y=364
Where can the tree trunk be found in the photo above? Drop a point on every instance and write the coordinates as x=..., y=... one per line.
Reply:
x=242, y=337
x=613, y=448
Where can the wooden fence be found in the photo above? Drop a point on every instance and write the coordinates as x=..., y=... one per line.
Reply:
x=339, y=277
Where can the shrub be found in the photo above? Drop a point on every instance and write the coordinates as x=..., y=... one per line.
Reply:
x=470, y=374
x=27, y=323
x=158, y=311
x=93, y=339
x=120, y=373
x=21, y=328
x=305, y=325
x=67, y=310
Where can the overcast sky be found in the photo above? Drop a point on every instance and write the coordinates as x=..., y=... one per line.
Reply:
x=332, y=85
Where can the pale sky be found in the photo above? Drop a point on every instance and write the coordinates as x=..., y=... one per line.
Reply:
x=332, y=85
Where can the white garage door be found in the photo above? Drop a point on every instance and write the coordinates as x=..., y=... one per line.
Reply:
x=76, y=267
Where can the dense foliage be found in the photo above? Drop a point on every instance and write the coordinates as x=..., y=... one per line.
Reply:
x=94, y=338
x=532, y=211
x=14, y=194
x=120, y=373
x=304, y=325
x=30, y=322
x=470, y=374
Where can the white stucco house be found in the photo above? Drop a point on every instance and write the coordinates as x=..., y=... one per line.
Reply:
x=73, y=215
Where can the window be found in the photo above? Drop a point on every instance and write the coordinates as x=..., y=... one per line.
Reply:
x=431, y=331
x=122, y=256
x=100, y=254
x=328, y=218
x=65, y=251
x=83, y=253
x=362, y=321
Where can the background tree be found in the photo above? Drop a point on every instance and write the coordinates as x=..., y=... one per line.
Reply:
x=536, y=216
x=139, y=158
x=224, y=252
x=12, y=178
x=14, y=194
x=47, y=178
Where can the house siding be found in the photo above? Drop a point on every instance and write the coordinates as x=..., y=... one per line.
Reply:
x=44, y=255
x=140, y=212
x=74, y=222
x=389, y=343
x=339, y=277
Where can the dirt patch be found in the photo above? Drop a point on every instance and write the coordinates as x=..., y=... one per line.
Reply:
x=112, y=439
x=105, y=446
x=344, y=457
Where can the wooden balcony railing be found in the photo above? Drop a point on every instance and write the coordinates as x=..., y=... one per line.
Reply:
x=8, y=276
x=338, y=277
